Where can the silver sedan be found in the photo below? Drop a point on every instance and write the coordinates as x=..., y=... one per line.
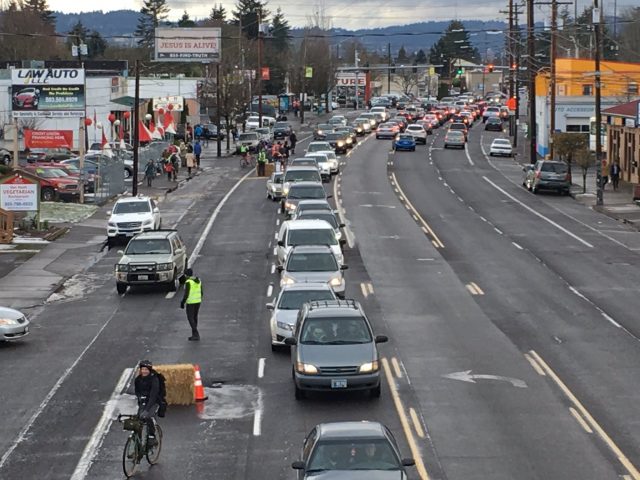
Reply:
x=13, y=324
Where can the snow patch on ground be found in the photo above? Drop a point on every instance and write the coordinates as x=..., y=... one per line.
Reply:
x=230, y=402
x=76, y=288
x=18, y=240
x=58, y=212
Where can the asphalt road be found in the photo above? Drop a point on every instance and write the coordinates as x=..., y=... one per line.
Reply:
x=461, y=267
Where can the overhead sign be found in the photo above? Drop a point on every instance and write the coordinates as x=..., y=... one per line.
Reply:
x=47, y=92
x=348, y=79
x=176, y=102
x=48, y=138
x=19, y=194
x=187, y=45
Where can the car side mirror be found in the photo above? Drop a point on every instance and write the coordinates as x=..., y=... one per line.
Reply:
x=270, y=306
x=291, y=342
x=298, y=465
x=342, y=242
x=329, y=196
x=156, y=210
x=280, y=243
x=342, y=225
x=408, y=462
x=382, y=339
x=280, y=268
x=120, y=252
x=344, y=267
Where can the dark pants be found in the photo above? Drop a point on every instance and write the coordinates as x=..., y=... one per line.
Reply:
x=149, y=180
x=151, y=426
x=192, y=316
x=198, y=160
x=615, y=179
x=261, y=169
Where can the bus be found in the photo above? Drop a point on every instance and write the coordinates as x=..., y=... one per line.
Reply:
x=592, y=135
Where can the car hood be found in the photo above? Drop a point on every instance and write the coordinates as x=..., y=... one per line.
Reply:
x=337, y=355
x=286, y=316
x=130, y=217
x=312, y=277
x=158, y=258
x=357, y=475
x=9, y=314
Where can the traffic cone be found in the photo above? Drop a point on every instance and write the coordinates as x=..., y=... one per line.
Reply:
x=199, y=388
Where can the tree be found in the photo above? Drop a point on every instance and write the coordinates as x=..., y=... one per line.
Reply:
x=577, y=36
x=565, y=145
x=77, y=34
x=96, y=45
x=630, y=36
x=421, y=57
x=185, y=21
x=40, y=7
x=218, y=13
x=402, y=56
x=151, y=14
x=277, y=53
x=407, y=78
x=454, y=44
x=249, y=13
x=585, y=160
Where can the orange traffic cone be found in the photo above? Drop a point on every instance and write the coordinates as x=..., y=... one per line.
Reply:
x=199, y=389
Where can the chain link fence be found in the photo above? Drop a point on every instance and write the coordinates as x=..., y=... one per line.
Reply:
x=104, y=177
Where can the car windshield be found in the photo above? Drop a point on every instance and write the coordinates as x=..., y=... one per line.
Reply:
x=335, y=331
x=495, y=120
x=312, y=262
x=555, y=167
x=281, y=125
x=302, y=206
x=312, y=236
x=334, y=136
x=131, y=207
x=415, y=127
x=263, y=131
x=307, y=192
x=502, y=142
x=318, y=147
x=301, y=176
x=277, y=178
x=50, y=172
x=325, y=126
x=301, y=162
x=148, y=247
x=328, y=217
x=293, y=299
x=405, y=137
x=245, y=137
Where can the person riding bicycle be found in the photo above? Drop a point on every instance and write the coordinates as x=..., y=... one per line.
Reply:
x=244, y=151
x=147, y=388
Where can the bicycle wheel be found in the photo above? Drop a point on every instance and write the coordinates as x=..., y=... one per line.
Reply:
x=130, y=457
x=153, y=453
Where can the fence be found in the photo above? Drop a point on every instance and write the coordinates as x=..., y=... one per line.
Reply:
x=108, y=175
x=6, y=226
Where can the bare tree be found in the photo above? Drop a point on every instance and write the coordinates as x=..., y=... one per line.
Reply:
x=585, y=160
x=407, y=79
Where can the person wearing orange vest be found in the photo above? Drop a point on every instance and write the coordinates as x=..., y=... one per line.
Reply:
x=192, y=298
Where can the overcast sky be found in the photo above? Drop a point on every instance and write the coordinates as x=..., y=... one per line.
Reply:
x=350, y=14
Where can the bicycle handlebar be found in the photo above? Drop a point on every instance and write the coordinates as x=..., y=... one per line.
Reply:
x=126, y=415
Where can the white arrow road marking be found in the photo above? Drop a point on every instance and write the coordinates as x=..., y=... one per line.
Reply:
x=467, y=376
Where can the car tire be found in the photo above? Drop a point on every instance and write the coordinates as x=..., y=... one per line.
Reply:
x=274, y=348
x=534, y=190
x=121, y=288
x=375, y=392
x=175, y=282
x=6, y=160
x=48, y=194
x=299, y=393
x=127, y=173
x=491, y=154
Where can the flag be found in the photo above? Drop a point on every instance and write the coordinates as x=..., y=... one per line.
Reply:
x=106, y=148
x=168, y=123
x=144, y=135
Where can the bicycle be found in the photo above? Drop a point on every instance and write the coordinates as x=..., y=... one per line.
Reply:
x=135, y=447
x=247, y=160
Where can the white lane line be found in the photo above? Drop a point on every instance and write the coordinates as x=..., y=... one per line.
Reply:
x=342, y=215
x=370, y=288
x=538, y=214
x=460, y=199
x=517, y=246
x=536, y=366
x=466, y=151
x=22, y=435
x=170, y=295
x=269, y=290
x=261, y=364
x=364, y=290
x=611, y=320
x=257, y=423
x=102, y=428
x=606, y=316
x=214, y=215
x=575, y=291
x=498, y=231
x=275, y=250
x=277, y=222
x=275, y=235
x=273, y=268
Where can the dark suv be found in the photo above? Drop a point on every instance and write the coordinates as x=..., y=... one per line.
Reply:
x=333, y=348
x=547, y=175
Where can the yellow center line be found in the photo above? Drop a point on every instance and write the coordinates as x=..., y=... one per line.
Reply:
x=415, y=451
x=396, y=367
x=535, y=365
x=416, y=423
x=633, y=471
x=580, y=420
x=422, y=220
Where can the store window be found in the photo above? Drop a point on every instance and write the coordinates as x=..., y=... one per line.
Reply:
x=587, y=89
x=577, y=129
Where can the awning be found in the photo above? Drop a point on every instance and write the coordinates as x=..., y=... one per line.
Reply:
x=128, y=101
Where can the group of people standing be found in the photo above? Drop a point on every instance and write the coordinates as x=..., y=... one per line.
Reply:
x=276, y=152
x=175, y=157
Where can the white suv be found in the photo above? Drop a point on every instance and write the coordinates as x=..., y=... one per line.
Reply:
x=132, y=215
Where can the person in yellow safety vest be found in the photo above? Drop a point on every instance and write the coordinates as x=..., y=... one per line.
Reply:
x=262, y=161
x=192, y=298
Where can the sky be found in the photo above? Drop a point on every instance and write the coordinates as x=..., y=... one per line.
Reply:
x=349, y=14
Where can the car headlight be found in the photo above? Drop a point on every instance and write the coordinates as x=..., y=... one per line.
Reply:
x=8, y=321
x=340, y=144
x=289, y=206
x=284, y=326
x=320, y=132
x=306, y=368
x=122, y=267
x=336, y=281
x=164, y=266
x=287, y=280
x=369, y=367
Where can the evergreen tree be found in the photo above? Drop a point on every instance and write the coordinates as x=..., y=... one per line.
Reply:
x=451, y=46
x=630, y=36
x=276, y=57
x=77, y=34
x=218, y=13
x=249, y=13
x=151, y=14
x=185, y=21
x=41, y=7
x=421, y=57
x=96, y=45
x=402, y=56
x=280, y=30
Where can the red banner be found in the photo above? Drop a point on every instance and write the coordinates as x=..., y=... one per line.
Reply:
x=265, y=73
x=48, y=138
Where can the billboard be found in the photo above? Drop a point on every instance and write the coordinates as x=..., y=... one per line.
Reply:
x=48, y=138
x=47, y=92
x=348, y=79
x=187, y=45
x=177, y=103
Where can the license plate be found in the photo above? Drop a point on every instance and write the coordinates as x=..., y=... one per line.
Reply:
x=339, y=383
x=143, y=277
x=129, y=234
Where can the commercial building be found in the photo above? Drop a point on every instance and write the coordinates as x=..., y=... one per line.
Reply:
x=623, y=139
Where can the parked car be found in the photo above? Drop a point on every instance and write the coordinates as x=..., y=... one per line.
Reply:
x=5, y=156
x=404, y=141
x=333, y=349
x=152, y=258
x=454, y=138
x=28, y=97
x=502, y=147
x=548, y=175
x=55, y=184
x=349, y=450
x=14, y=324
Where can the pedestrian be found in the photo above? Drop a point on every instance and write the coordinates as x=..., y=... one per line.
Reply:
x=183, y=153
x=615, y=174
x=149, y=172
x=262, y=161
x=175, y=163
x=605, y=174
x=285, y=150
x=192, y=299
x=198, y=132
x=197, y=151
x=293, y=139
x=191, y=162
x=168, y=168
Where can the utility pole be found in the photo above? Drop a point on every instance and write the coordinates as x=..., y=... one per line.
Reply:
x=552, y=82
x=218, y=136
x=531, y=71
x=136, y=130
x=259, y=71
x=356, y=63
x=511, y=43
x=597, y=25
x=389, y=69
x=516, y=73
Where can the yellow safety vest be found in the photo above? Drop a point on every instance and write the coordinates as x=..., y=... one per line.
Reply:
x=195, y=291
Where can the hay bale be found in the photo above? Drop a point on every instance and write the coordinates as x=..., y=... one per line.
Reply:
x=179, y=380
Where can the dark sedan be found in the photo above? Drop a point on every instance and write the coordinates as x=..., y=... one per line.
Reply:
x=338, y=141
x=281, y=130
x=321, y=131
x=493, y=124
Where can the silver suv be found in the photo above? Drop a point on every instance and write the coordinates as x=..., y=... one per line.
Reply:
x=152, y=258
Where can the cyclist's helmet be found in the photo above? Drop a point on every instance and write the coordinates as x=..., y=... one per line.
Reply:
x=145, y=363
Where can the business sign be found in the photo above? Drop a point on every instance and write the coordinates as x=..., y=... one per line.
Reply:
x=176, y=102
x=48, y=138
x=348, y=79
x=19, y=194
x=264, y=73
x=187, y=45
x=47, y=92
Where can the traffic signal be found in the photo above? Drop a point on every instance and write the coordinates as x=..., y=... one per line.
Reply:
x=415, y=68
x=490, y=68
x=393, y=68
x=460, y=71
x=514, y=66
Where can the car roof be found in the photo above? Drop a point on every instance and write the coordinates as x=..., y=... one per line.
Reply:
x=309, y=201
x=306, y=183
x=351, y=430
x=311, y=211
x=133, y=199
x=310, y=223
x=298, y=168
x=310, y=249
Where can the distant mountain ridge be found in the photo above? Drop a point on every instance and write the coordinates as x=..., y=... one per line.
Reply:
x=122, y=23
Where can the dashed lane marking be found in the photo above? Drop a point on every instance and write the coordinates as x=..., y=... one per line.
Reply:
x=416, y=423
x=517, y=246
x=269, y=290
x=261, y=365
x=273, y=268
x=365, y=293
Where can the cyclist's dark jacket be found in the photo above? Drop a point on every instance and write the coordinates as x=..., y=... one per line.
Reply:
x=147, y=391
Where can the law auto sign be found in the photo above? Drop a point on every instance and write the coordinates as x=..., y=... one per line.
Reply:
x=19, y=194
x=47, y=92
x=188, y=45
